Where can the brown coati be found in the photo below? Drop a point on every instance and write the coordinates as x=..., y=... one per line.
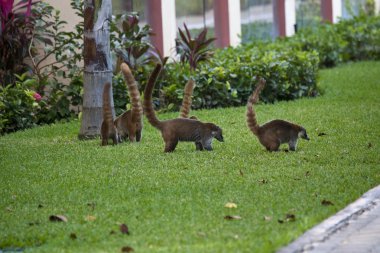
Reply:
x=187, y=100
x=272, y=134
x=129, y=124
x=108, y=129
x=179, y=129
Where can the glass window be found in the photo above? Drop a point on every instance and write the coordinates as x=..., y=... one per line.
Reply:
x=197, y=14
x=256, y=20
x=308, y=13
x=352, y=8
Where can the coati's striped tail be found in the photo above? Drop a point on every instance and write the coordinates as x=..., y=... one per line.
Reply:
x=186, y=103
x=134, y=93
x=148, y=106
x=251, y=115
x=107, y=111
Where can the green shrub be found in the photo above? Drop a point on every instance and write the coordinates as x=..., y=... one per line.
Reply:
x=230, y=77
x=18, y=106
x=362, y=35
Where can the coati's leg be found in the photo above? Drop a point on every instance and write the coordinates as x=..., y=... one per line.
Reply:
x=114, y=139
x=138, y=135
x=170, y=145
x=207, y=144
x=198, y=146
x=293, y=145
x=274, y=146
x=132, y=137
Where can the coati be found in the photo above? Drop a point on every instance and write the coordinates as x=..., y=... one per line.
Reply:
x=186, y=102
x=108, y=129
x=272, y=134
x=179, y=129
x=129, y=124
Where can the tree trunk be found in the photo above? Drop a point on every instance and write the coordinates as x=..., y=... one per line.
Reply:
x=97, y=65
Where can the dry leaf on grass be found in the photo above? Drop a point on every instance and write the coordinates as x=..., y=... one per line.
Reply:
x=290, y=217
x=124, y=229
x=58, y=218
x=327, y=202
x=232, y=217
x=127, y=249
x=230, y=205
x=267, y=218
x=90, y=218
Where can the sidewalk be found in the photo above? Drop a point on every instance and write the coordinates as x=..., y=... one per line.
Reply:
x=355, y=229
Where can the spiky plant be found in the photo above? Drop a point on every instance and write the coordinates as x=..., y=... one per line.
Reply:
x=193, y=50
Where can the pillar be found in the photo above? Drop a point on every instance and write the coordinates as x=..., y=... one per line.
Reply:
x=161, y=17
x=284, y=15
x=331, y=10
x=227, y=23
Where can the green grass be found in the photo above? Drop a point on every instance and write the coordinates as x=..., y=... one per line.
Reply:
x=175, y=202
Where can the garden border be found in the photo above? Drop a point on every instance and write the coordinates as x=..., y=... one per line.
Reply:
x=323, y=231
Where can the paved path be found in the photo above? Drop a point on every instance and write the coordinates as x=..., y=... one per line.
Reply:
x=355, y=229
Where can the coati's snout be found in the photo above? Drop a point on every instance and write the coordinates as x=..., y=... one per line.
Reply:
x=218, y=135
x=304, y=135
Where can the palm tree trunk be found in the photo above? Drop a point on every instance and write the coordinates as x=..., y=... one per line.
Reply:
x=97, y=64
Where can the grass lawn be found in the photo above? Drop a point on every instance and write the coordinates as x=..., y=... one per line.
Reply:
x=176, y=202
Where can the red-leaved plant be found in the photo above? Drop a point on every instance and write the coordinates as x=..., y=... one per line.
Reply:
x=15, y=34
x=193, y=50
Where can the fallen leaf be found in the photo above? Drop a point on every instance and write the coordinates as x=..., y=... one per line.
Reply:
x=73, y=236
x=58, y=218
x=290, y=217
x=127, y=249
x=91, y=205
x=267, y=218
x=232, y=217
x=90, y=218
x=241, y=173
x=322, y=134
x=263, y=181
x=33, y=223
x=201, y=234
x=327, y=202
x=230, y=205
x=124, y=229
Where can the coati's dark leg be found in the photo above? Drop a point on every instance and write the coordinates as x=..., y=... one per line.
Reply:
x=170, y=145
x=198, y=146
x=114, y=139
x=207, y=145
x=132, y=137
x=293, y=145
x=274, y=146
x=138, y=135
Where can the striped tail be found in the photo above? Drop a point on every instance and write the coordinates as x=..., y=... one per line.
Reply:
x=107, y=111
x=251, y=115
x=134, y=93
x=186, y=103
x=148, y=106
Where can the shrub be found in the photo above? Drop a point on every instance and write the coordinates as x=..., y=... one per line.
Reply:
x=230, y=77
x=18, y=106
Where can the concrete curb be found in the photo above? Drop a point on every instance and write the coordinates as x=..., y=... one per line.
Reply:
x=324, y=230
